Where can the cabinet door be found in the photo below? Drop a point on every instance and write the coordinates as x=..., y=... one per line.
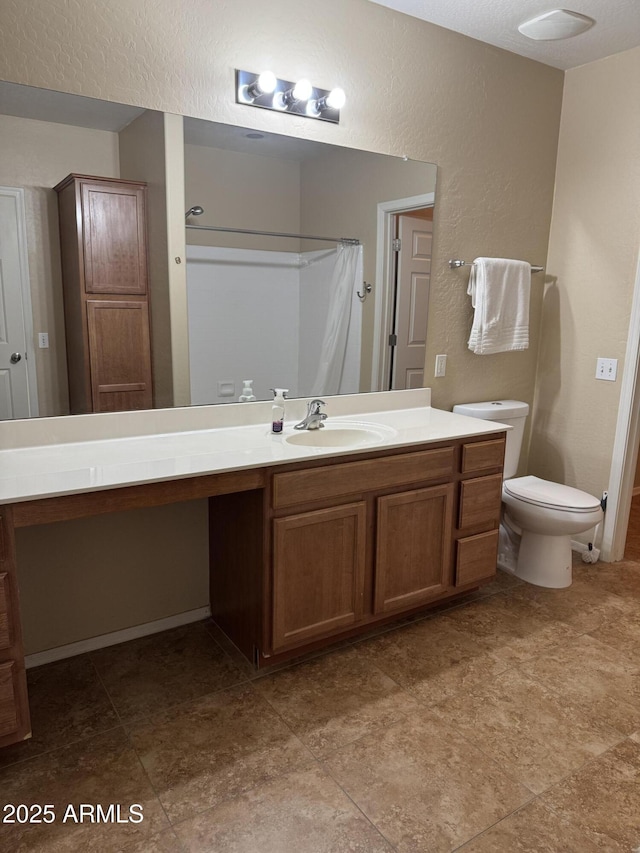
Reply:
x=414, y=547
x=318, y=579
x=14, y=704
x=120, y=355
x=115, y=252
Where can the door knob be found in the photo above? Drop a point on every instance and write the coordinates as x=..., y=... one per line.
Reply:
x=15, y=357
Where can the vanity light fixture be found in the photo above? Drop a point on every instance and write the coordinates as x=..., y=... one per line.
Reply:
x=299, y=98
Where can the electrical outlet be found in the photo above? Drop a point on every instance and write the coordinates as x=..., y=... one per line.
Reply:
x=607, y=368
x=441, y=365
x=43, y=340
x=226, y=388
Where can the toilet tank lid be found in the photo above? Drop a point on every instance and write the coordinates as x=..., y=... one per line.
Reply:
x=493, y=410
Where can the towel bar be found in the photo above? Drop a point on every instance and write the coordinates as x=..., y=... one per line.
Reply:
x=456, y=264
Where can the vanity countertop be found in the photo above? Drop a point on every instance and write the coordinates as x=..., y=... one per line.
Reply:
x=74, y=467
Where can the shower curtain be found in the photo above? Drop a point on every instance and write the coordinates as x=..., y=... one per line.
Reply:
x=342, y=334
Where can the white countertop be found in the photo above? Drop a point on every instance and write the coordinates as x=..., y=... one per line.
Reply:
x=73, y=467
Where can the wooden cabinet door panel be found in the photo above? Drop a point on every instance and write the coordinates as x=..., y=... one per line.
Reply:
x=8, y=703
x=318, y=583
x=414, y=550
x=14, y=704
x=5, y=592
x=120, y=355
x=115, y=252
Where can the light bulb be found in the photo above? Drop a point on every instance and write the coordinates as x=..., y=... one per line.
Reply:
x=264, y=84
x=267, y=82
x=303, y=90
x=336, y=99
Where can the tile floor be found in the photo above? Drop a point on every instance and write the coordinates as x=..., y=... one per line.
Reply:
x=508, y=723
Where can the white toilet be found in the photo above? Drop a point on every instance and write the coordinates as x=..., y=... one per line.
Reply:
x=545, y=515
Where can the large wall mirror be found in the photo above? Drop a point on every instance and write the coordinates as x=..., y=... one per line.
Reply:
x=288, y=262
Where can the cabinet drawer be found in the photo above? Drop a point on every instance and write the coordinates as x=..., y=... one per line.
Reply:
x=8, y=706
x=334, y=481
x=5, y=639
x=482, y=455
x=480, y=501
x=476, y=557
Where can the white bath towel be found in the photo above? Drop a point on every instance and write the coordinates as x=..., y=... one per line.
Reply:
x=499, y=290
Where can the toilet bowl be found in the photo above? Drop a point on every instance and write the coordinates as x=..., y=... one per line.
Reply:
x=545, y=515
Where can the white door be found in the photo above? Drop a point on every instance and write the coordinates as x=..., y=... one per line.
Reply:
x=412, y=302
x=18, y=397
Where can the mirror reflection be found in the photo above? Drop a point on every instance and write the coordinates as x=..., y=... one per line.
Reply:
x=180, y=258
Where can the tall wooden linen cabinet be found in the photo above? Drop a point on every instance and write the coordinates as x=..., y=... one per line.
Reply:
x=106, y=294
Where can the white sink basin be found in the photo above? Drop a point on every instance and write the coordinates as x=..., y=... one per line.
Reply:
x=342, y=435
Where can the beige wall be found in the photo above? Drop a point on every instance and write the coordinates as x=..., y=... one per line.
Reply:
x=36, y=155
x=80, y=579
x=488, y=118
x=244, y=191
x=593, y=254
x=142, y=158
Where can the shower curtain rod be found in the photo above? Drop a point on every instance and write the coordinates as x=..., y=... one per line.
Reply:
x=349, y=241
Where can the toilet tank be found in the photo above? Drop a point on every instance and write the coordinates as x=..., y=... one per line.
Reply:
x=511, y=412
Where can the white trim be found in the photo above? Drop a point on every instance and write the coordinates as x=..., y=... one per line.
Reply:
x=625, y=445
x=382, y=307
x=17, y=193
x=112, y=639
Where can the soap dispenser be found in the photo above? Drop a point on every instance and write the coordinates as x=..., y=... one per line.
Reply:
x=247, y=395
x=277, y=410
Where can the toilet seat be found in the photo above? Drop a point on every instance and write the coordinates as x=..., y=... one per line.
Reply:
x=544, y=493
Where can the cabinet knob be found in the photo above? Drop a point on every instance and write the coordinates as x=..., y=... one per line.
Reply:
x=15, y=357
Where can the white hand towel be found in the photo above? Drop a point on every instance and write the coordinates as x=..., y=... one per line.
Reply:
x=499, y=290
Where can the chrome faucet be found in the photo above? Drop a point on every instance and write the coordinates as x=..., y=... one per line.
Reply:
x=314, y=416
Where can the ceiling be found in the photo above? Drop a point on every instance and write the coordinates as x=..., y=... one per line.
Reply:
x=496, y=22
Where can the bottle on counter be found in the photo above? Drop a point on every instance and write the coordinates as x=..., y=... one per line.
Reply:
x=247, y=395
x=277, y=410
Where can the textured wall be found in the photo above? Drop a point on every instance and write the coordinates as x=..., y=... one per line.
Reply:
x=488, y=118
x=593, y=254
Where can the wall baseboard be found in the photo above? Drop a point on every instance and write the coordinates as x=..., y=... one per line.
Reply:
x=115, y=637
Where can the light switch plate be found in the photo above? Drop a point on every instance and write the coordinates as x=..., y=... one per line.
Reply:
x=607, y=368
x=441, y=365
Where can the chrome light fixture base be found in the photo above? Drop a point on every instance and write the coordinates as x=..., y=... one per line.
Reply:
x=320, y=104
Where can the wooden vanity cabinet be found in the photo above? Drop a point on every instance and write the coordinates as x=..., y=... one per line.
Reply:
x=14, y=705
x=357, y=542
x=104, y=271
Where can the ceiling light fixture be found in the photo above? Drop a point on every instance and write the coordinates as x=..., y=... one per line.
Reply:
x=300, y=98
x=554, y=25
